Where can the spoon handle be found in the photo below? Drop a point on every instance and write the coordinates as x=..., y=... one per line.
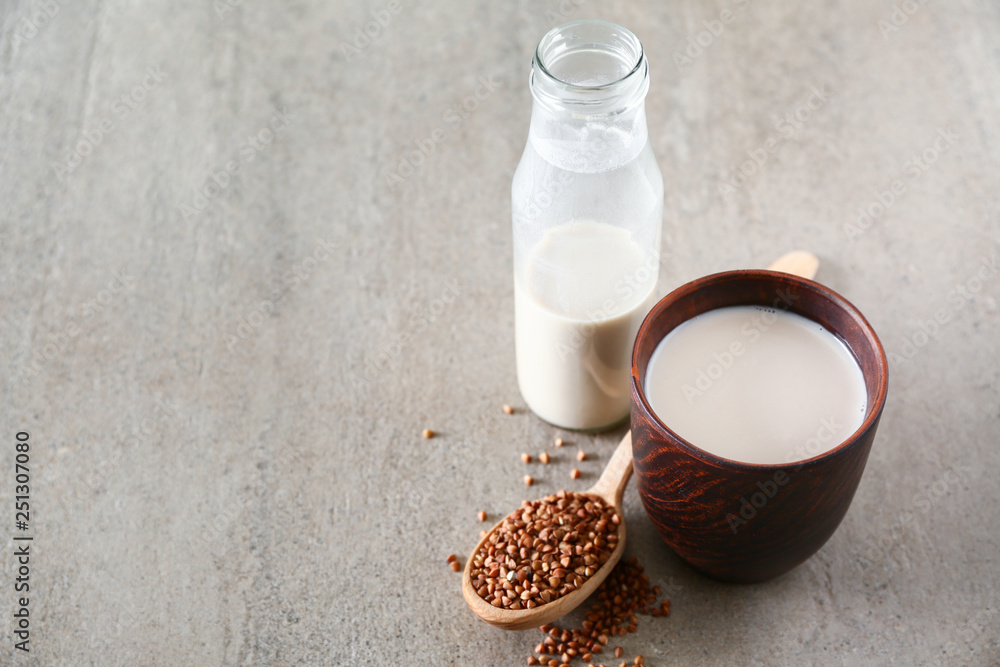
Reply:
x=614, y=479
x=798, y=263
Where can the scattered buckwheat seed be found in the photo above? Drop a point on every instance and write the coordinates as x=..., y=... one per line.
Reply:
x=544, y=457
x=559, y=442
x=481, y=516
x=452, y=558
x=507, y=409
x=624, y=594
x=526, y=458
x=574, y=473
x=528, y=480
x=455, y=566
x=428, y=434
x=581, y=455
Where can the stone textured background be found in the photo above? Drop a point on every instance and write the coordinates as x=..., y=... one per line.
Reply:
x=225, y=395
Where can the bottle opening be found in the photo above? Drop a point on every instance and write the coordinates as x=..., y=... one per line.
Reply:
x=589, y=54
x=594, y=65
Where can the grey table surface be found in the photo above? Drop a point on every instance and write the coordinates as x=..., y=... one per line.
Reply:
x=248, y=252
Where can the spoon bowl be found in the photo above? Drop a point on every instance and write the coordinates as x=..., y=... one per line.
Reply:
x=610, y=488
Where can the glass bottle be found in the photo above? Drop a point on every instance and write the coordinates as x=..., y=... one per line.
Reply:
x=587, y=204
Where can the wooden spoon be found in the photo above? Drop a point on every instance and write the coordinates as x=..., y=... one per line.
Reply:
x=610, y=488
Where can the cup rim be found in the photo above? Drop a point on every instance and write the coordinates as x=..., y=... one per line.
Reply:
x=877, y=400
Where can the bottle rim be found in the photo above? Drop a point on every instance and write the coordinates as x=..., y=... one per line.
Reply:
x=616, y=45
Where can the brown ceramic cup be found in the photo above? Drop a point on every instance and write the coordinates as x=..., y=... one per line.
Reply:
x=748, y=522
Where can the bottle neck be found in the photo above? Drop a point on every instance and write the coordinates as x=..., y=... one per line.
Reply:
x=585, y=145
x=589, y=81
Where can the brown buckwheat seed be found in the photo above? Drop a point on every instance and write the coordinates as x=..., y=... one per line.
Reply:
x=544, y=550
x=617, y=602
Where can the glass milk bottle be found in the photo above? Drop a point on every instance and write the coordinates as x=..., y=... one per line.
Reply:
x=587, y=202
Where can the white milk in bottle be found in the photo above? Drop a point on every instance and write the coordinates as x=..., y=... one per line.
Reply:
x=577, y=311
